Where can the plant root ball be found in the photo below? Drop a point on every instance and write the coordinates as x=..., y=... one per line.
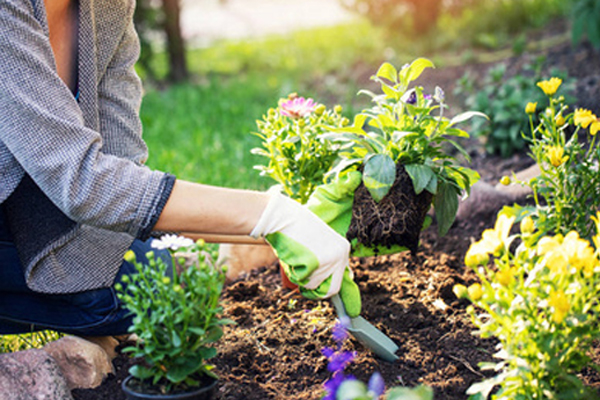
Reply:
x=396, y=220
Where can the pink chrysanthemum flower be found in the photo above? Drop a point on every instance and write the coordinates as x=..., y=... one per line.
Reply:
x=298, y=107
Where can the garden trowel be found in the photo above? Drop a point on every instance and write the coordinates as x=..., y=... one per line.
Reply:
x=367, y=334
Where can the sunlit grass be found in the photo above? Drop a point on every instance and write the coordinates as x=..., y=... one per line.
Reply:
x=34, y=340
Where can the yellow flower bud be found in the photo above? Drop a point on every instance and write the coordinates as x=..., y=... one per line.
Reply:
x=475, y=291
x=530, y=108
x=505, y=276
x=129, y=256
x=320, y=109
x=200, y=242
x=337, y=109
x=550, y=86
x=527, y=225
x=166, y=280
x=560, y=120
x=460, y=291
x=505, y=180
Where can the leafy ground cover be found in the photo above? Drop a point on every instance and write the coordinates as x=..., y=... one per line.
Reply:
x=274, y=350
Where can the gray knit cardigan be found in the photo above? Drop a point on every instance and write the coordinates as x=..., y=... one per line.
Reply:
x=73, y=186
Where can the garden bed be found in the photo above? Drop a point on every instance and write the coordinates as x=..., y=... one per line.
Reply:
x=274, y=351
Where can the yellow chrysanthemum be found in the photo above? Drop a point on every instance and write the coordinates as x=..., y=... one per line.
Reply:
x=476, y=255
x=527, y=225
x=530, y=108
x=475, y=291
x=583, y=117
x=558, y=261
x=560, y=302
x=556, y=155
x=578, y=251
x=493, y=239
x=550, y=86
x=595, y=127
x=548, y=244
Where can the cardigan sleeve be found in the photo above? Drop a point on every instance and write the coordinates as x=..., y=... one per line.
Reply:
x=43, y=128
x=119, y=98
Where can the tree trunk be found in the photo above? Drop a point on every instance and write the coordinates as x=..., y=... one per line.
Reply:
x=178, y=71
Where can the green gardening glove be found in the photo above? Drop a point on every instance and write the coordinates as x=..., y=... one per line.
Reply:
x=312, y=254
x=332, y=203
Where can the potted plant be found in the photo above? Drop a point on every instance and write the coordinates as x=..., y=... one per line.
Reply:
x=298, y=158
x=404, y=147
x=176, y=317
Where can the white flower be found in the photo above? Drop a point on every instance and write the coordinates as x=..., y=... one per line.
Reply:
x=171, y=242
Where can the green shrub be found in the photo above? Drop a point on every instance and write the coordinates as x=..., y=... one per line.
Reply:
x=504, y=99
x=586, y=21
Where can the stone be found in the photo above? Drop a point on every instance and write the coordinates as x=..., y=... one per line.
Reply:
x=31, y=375
x=108, y=344
x=83, y=364
x=484, y=199
x=488, y=199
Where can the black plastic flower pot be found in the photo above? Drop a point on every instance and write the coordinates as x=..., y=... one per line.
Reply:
x=395, y=220
x=135, y=391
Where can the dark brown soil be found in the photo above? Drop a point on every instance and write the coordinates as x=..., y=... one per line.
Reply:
x=274, y=351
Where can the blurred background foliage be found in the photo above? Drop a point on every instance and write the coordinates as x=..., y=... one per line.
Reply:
x=200, y=127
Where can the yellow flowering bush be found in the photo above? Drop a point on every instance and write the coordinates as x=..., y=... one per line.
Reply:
x=539, y=298
x=567, y=192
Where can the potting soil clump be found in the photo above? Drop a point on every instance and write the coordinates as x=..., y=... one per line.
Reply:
x=396, y=220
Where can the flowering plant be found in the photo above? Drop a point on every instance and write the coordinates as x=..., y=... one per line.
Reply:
x=567, y=191
x=176, y=316
x=298, y=157
x=540, y=302
x=402, y=129
x=347, y=387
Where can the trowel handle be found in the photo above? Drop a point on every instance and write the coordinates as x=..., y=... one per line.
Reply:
x=338, y=304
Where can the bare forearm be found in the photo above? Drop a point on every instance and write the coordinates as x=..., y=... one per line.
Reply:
x=198, y=208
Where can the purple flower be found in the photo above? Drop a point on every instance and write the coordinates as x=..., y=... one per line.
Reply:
x=331, y=385
x=298, y=107
x=338, y=361
x=340, y=330
x=412, y=98
x=376, y=384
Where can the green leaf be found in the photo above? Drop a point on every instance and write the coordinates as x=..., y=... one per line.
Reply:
x=379, y=175
x=420, y=175
x=466, y=116
x=416, y=69
x=402, y=393
x=352, y=389
x=141, y=372
x=446, y=205
x=387, y=71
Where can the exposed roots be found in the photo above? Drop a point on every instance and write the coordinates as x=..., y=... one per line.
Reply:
x=396, y=220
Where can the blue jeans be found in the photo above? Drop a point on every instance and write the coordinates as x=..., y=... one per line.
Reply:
x=91, y=313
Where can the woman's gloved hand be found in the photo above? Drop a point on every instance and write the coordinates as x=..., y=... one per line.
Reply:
x=332, y=203
x=314, y=256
